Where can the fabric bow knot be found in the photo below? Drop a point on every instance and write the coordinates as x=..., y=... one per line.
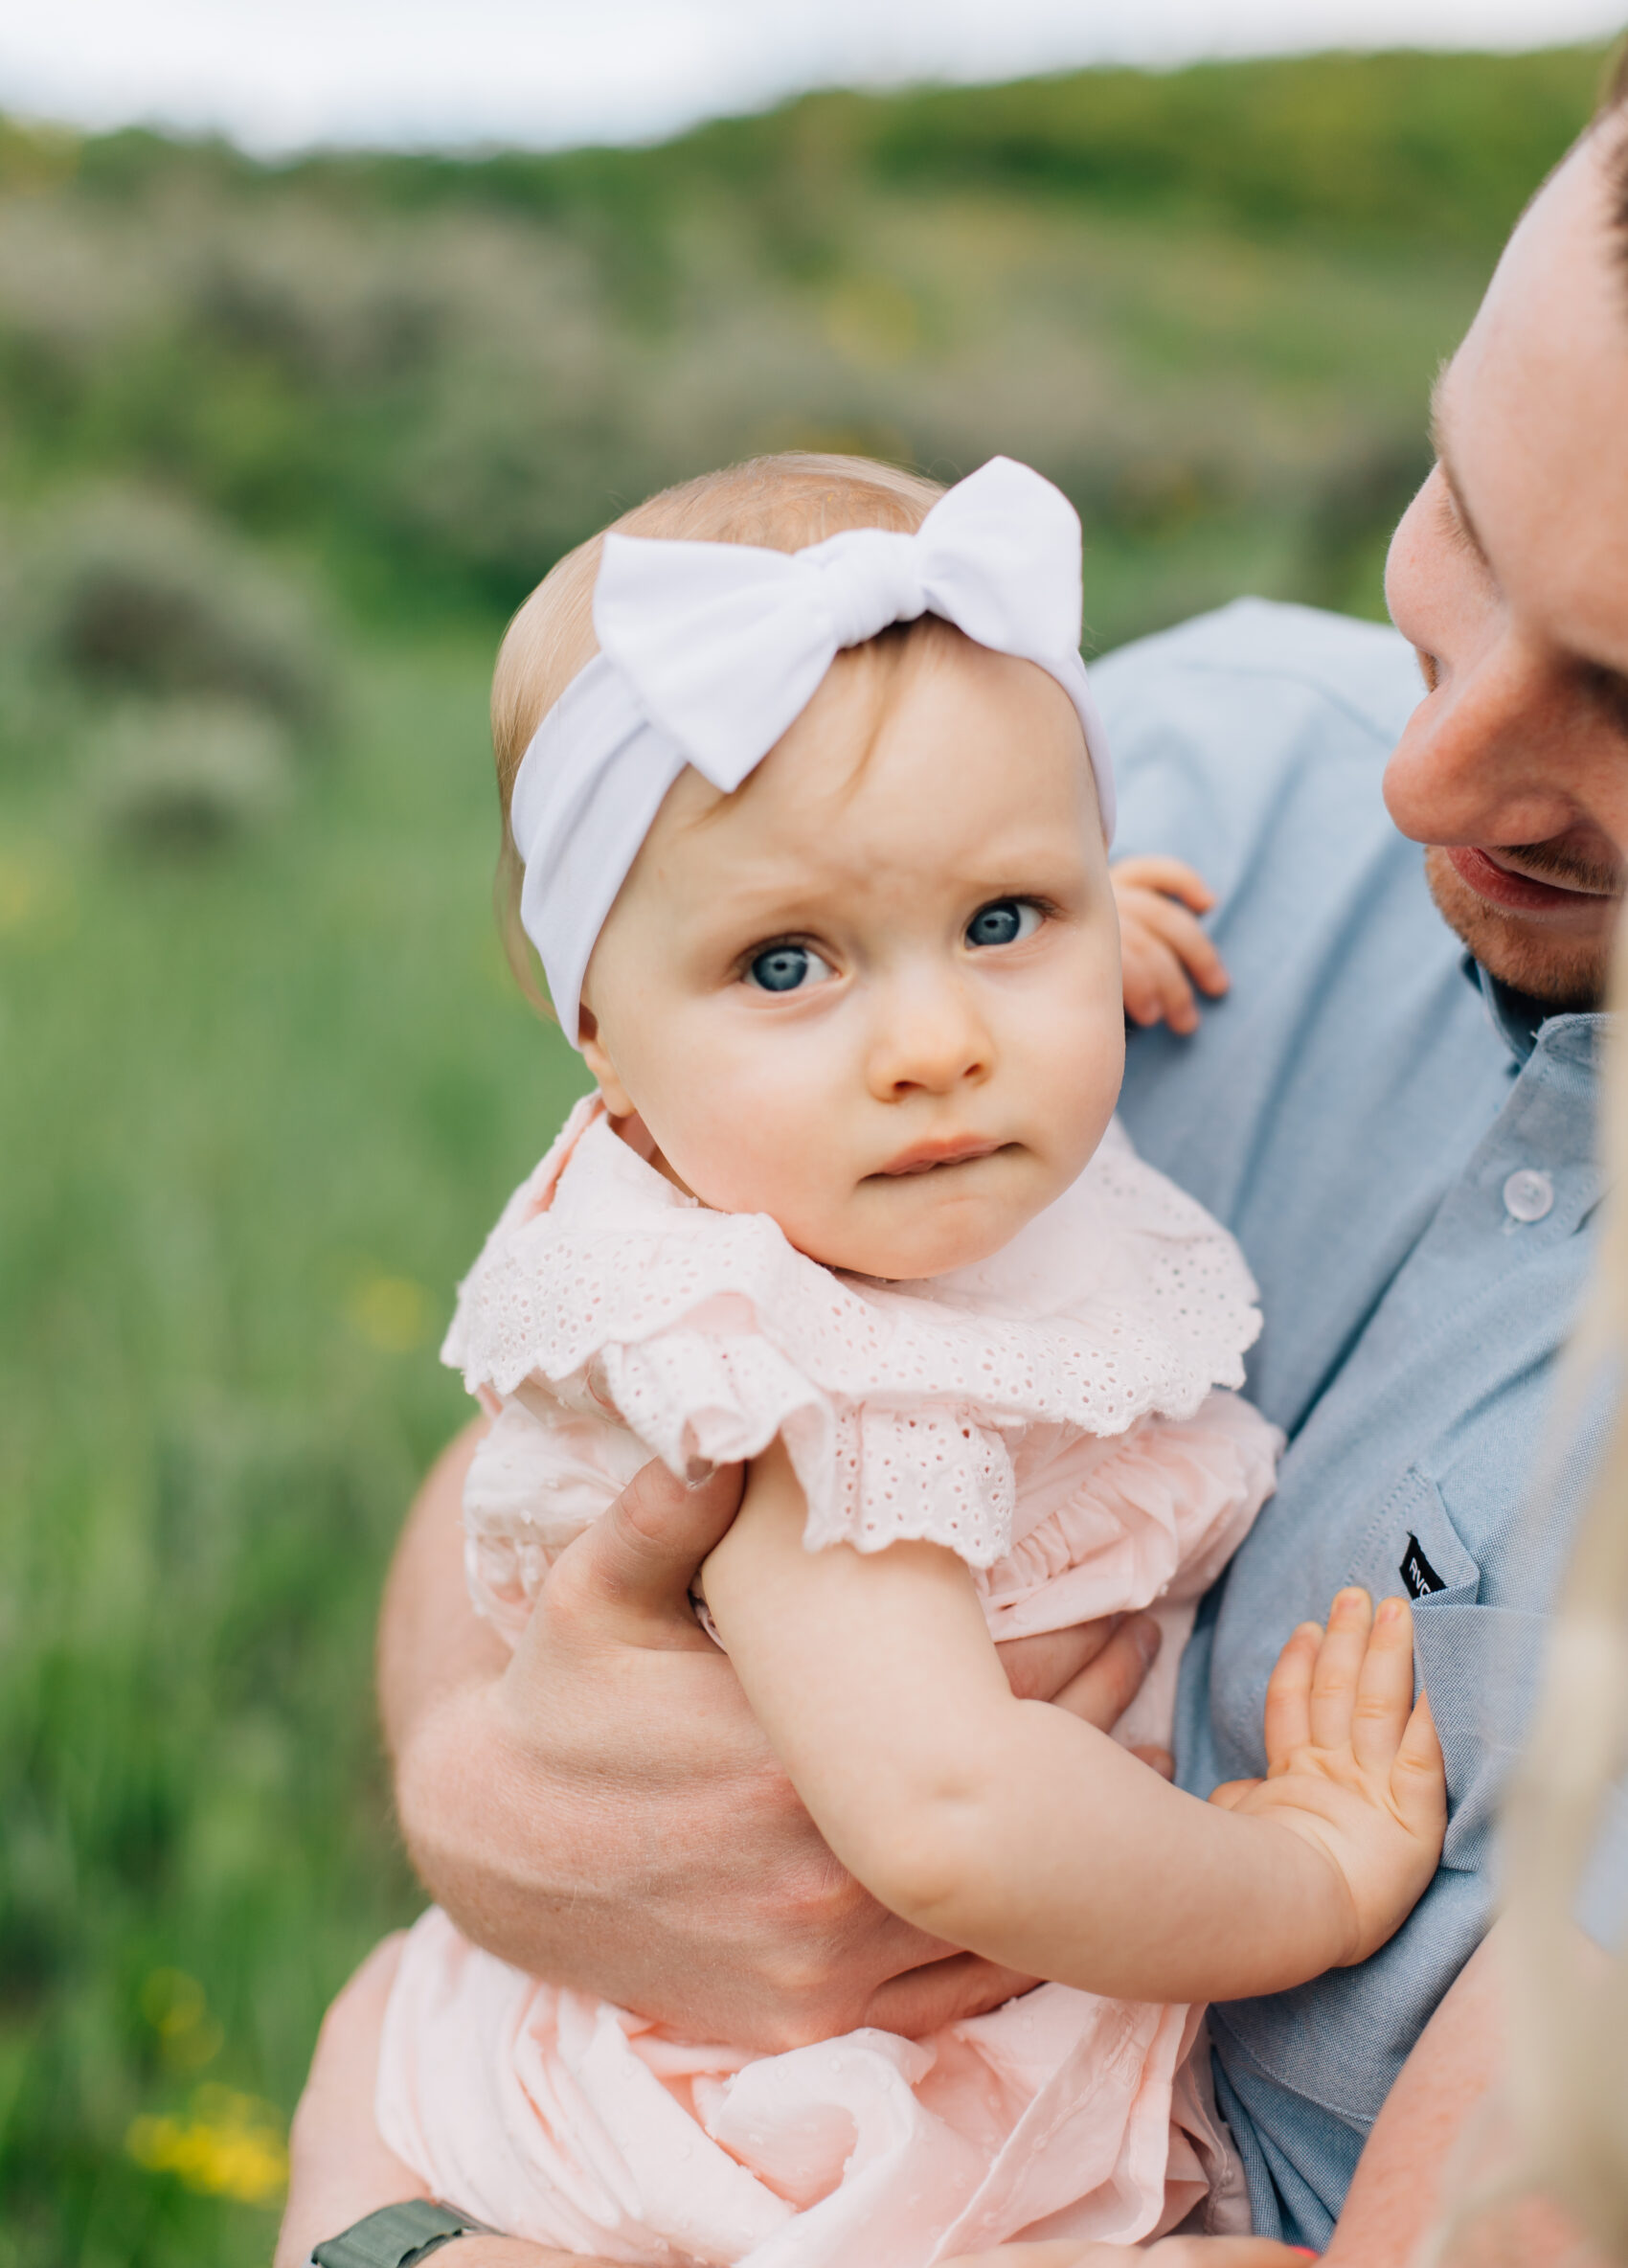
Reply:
x=998, y=555
x=709, y=652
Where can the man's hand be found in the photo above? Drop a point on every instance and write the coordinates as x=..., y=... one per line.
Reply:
x=1162, y=950
x=1170, y=2252
x=603, y=1810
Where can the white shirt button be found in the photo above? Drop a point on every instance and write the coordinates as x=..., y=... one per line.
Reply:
x=1528, y=1194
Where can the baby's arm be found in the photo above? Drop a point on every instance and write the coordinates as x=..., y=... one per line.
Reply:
x=1162, y=947
x=1012, y=1827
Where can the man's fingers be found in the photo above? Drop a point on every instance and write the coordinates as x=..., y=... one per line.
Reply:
x=1221, y=2251
x=1385, y=1687
x=939, y=1992
x=627, y=1577
x=1105, y=1689
x=1339, y=1666
x=1038, y=1669
x=1061, y=2253
x=1288, y=1697
x=1171, y=2252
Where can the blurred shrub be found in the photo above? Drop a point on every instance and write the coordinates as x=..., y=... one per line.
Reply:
x=182, y=777
x=1339, y=144
x=1195, y=298
x=1355, y=146
x=137, y=594
x=1349, y=523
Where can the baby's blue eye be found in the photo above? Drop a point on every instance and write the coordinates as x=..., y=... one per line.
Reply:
x=1006, y=922
x=787, y=968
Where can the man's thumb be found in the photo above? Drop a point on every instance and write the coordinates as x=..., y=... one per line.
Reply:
x=637, y=1562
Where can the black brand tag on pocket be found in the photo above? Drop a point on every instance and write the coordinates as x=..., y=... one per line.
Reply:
x=1418, y=1577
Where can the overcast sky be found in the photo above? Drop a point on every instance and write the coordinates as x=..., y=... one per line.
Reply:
x=282, y=74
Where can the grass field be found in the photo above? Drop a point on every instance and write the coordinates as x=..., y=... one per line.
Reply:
x=257, y=1114
x=263, y=1078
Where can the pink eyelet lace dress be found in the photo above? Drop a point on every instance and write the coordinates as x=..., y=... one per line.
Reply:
x=1058, y=1417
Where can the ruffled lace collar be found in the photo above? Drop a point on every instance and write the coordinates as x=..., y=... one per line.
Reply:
x=596, y=1241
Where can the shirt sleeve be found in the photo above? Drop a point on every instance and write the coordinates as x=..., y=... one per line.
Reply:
x=1211, y=724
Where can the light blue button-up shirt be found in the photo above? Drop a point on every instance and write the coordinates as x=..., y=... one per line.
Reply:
x=1406, y=1154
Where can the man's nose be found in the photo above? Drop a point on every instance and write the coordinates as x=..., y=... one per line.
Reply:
x=929, y=1037
x=1500, y=753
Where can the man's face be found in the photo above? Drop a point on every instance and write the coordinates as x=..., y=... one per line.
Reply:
x=1509, y=575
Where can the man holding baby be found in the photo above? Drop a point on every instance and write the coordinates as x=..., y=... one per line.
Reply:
x=1393, y=1112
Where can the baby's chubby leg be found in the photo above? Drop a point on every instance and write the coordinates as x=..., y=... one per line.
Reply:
x=339, y=2169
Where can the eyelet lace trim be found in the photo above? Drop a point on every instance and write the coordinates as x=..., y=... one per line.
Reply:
x=707, y=1335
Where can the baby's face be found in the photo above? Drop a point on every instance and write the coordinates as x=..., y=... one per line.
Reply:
x=875, y=994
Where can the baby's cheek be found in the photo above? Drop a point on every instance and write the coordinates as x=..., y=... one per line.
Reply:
x=1079, y=1077
x=751, y=1147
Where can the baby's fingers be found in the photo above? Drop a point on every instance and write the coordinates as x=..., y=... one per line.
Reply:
x=1192, y=945
x=1288, y=1697
x=1419, y=1776
x=1338, y=1667
x=1173, y=877
x=1231, y=1793
x=1157, y=990
x=1384, y=1687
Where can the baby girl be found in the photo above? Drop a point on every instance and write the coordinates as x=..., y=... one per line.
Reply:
x=807, y=807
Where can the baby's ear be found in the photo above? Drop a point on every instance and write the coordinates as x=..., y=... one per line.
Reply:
x=617, y=1100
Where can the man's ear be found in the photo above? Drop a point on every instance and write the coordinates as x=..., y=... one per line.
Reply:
x=617, y=1100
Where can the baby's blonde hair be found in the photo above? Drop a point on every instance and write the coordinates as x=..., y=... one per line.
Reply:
x=781, y=503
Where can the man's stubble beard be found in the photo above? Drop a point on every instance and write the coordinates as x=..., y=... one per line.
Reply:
x=1566, y=974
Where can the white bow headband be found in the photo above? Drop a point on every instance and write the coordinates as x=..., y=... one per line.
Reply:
x=709, y=651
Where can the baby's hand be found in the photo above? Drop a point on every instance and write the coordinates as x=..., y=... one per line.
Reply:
x=1353, y=1764
x=1163, y=949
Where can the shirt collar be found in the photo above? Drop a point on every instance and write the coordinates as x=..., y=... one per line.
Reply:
x=1516, y=1017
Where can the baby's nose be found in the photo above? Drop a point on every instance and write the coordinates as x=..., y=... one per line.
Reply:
x=932, y=1042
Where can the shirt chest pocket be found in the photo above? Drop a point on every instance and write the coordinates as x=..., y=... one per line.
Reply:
x=1412, y=1547
x=1477, y=1662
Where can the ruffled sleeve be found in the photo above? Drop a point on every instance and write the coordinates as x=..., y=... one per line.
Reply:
x=1146, y=1520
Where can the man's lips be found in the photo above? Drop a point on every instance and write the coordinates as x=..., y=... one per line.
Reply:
x=1521, y=893
x=926, y=1155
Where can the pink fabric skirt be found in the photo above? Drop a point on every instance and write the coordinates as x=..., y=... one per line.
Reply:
x=567, y=2120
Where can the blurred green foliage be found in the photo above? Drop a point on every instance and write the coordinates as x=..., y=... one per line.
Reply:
x=1206, y=301
x=259, y=1103
x=278, y=446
